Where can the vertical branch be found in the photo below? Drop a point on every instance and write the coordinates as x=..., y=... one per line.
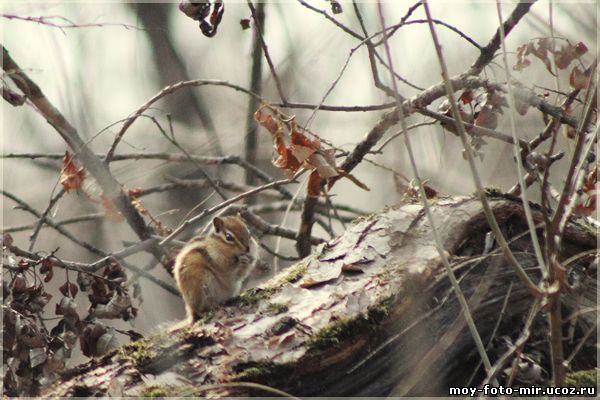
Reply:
x=306, y=223
x=251, y=146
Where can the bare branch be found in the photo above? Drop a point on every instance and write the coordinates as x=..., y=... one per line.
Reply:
x=111, y=188
x=487, y=52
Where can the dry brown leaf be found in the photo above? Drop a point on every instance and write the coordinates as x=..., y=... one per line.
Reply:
x=541, y=52
x=71, y=177
x=302, y=147
x=314, y=184
x=522, y=60
x=286, y=160
x=487, y=118
x=310, y=282
x=578, y=78
x=467, y=96
x=267, y=121
x=324, y=164
x=568, y=53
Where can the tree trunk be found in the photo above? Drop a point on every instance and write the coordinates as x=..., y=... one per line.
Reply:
x=371, y=313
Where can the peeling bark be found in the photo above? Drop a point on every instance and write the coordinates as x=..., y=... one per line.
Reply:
x=370, y=313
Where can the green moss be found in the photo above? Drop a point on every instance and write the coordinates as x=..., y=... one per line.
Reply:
x=293, y=274
x=142, y=350
x=334, y=333
x=579, y=379
x=254, y=371
x=166, y=390
x=349, y=328
x=205, y=319
x=156, y=391
x=364, y=218
x=252, y=296
x=277, y=308
x=381, y=310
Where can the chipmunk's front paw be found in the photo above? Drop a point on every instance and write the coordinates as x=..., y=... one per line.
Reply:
x=245, y=259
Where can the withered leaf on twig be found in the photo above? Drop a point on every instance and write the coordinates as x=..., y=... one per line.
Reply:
x=201, y=11
x=296, y=150
x=71, y=177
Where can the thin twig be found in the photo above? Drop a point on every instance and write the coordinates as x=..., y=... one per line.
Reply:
x=582, y=341
x=379, y=149
x=165, y=92
x=258, y=15
x=363, y=41
x=175, y=143
x=91, y=268
x=40, y=223
x=66, y=221
x=394, y=28
x=66, y=23
x=278, y=255
x=266, y=228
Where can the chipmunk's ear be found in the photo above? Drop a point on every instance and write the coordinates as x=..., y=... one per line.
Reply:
x=239, y=215
x=218, y=224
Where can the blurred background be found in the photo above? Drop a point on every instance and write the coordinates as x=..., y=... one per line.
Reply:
x=122, y=54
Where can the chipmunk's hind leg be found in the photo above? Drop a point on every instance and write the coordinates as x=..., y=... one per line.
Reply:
x=194, y=318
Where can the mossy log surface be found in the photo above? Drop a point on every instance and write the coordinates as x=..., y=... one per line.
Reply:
x=370, y=313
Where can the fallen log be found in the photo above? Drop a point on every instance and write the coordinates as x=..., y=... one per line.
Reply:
x=371, y=313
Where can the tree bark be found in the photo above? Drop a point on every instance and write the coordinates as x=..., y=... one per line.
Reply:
x=371, y=313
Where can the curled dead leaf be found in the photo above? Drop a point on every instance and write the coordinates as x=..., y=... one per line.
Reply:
x=568, y=53
x=522, y=60
x=314, y=184
x=71, y=177
x=487, y=118
x=309, y=282
x=578, y=78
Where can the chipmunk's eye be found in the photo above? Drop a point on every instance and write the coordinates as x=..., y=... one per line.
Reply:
x=228, y=237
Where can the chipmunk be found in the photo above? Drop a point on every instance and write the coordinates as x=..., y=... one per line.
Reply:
x=210, y=270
